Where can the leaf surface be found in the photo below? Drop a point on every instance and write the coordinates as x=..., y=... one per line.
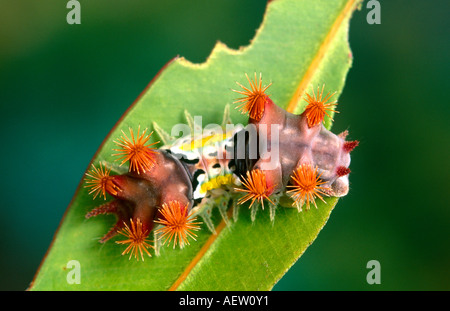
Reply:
x=300, y=45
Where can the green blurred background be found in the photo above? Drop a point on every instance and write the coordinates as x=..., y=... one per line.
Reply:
x=63, y=87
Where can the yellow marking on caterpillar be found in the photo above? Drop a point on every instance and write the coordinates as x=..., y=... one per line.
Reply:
x=217, y=182
x=201, y=142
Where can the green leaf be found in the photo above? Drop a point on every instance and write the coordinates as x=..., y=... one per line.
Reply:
x=300, y=45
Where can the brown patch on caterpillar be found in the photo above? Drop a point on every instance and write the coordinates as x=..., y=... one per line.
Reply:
x=139, y=195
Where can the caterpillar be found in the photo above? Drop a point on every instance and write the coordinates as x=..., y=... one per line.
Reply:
x=279, y=158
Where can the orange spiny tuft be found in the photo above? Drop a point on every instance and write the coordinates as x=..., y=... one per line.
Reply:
x=256, y=188
x=136, y=151
x=317, y=107
x=100, y=182
x=178, y=224
x=137, y=240
x=306, y=186
x=254, y=99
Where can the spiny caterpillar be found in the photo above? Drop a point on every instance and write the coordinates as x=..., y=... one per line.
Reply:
x=278, y=155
